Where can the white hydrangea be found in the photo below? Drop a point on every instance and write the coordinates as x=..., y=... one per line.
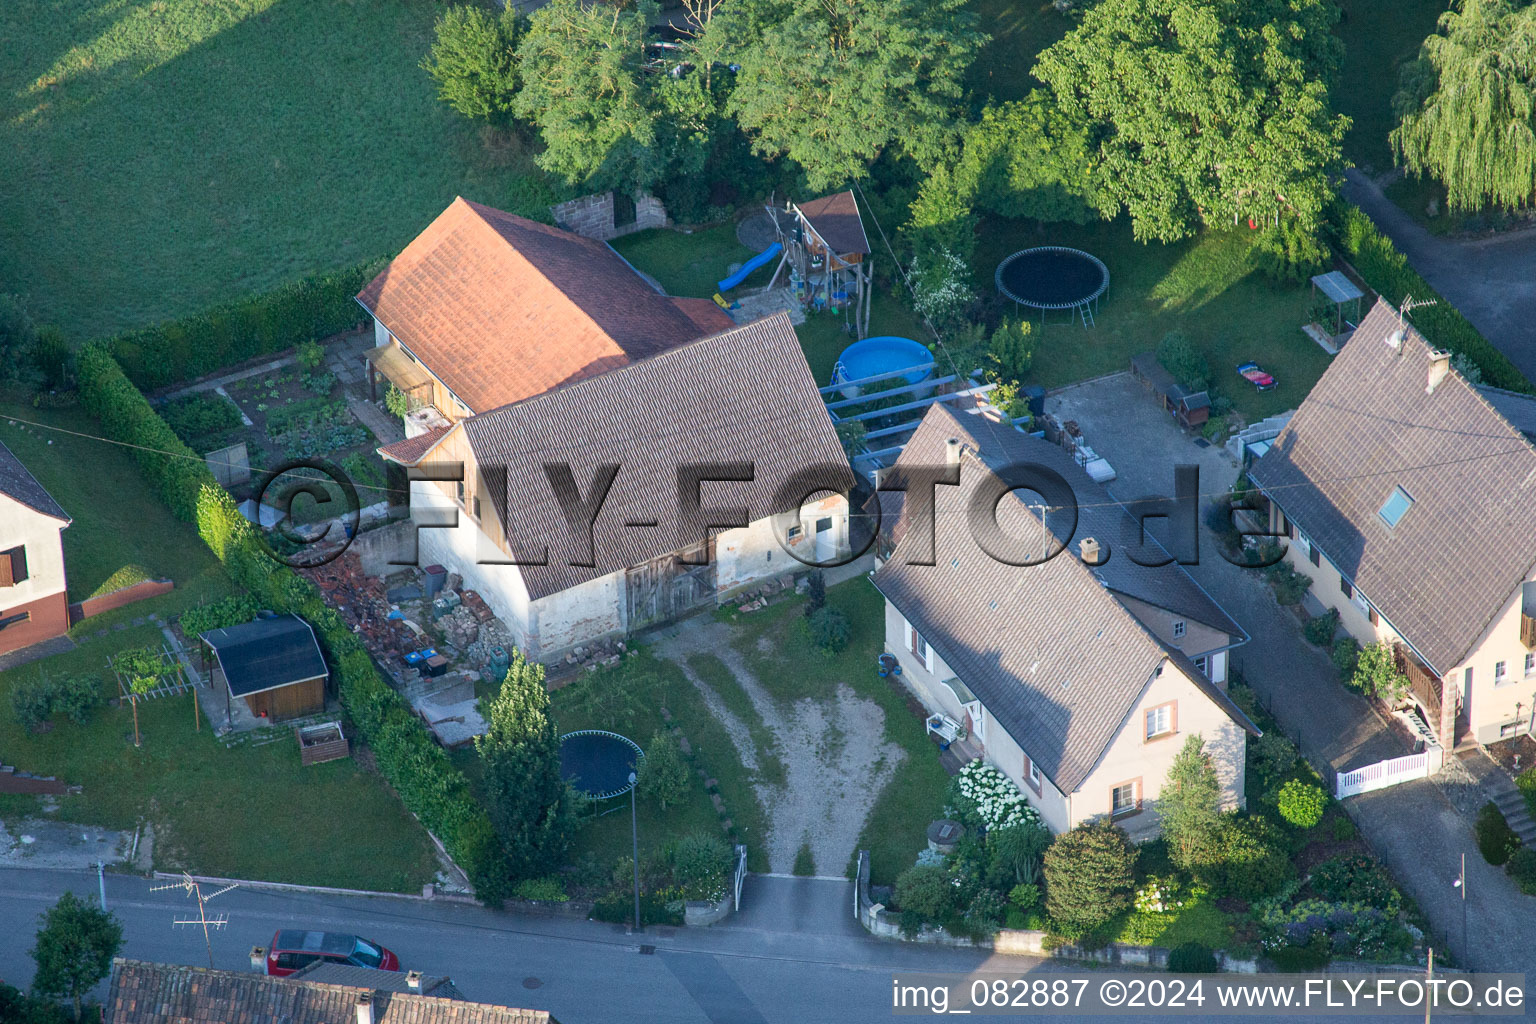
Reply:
x=998, y=799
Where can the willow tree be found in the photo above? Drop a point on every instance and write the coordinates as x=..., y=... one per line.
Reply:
x=1468, y=106
x=1203, y=111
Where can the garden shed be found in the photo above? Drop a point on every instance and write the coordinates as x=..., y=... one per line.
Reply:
x=273, y=663
x=1190, y=408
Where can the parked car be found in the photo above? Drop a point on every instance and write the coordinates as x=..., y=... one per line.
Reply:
x=293, y=950
x=1255, y=375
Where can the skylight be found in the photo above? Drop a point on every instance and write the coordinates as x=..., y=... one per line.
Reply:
x=1396, y=506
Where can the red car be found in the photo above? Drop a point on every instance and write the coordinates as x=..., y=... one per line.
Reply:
x=293, y=950
x=1256, y=376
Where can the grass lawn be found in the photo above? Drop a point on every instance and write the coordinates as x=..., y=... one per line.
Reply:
x=246, y=812
x=1205, y=287
x=1378, y=39
x=790, y=667
x=163, y=156
x=121, y=530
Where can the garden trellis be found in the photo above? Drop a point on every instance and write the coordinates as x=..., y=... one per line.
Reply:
x=144, y=673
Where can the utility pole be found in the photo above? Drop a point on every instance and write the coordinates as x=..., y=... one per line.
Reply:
x=1429, y=978
x=634, y=840
x=101, y=882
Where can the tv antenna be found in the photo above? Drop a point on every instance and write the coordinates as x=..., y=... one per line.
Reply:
x=193, y=888
x=1410, y=304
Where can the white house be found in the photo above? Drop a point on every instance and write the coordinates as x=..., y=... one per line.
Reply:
x=34, y=605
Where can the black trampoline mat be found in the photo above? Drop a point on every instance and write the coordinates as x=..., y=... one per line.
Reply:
x=1052, y=278
x=598, y=763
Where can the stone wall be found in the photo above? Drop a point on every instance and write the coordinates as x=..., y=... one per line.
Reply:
x=592, y=216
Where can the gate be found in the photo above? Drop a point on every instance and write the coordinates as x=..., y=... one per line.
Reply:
x=664, y=588
x=1388, y=773
x=741, y=873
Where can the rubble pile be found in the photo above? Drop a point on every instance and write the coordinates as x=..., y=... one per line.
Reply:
x=360, y=600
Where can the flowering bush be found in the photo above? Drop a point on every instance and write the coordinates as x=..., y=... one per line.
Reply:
x=1348, y=929
x=940, y=288
x=992, y=797
x=1302, y=804
x=1162, y=896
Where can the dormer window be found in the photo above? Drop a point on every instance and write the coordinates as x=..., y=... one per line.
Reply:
x=1396, y=506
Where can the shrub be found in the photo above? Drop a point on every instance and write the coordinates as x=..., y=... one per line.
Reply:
x=1274, y=755
x=1319, y=629
x=1014, y=852
x=663, y=774
x=1247, y=861
x=77, y=697
x=1290, y=585
x=1290, y=253
x=1088, y=877
x=52, y=357
x=1377, y=675
x=1192, y=958
x=986, y=910
x=549, y=890
x=830, y=630
x=1525, y=782
x=398, y=403
x=805, y=861
x=1012, y=349
x=1355, y=878
x=32, y=702
x=1301, y=803
x=310, y=355
x=661, y=906
x=291, y=314
x=700, y=858
x=1522, y=868
x=18, y=334
x=1180, y=358
x=815, y=592
x=941, y=290
x=1342, y=828
x=1025, y=897
x=1345, y=655
x=1496, y=841
x=926, y=890
x=221, y=614
x=983, y=796
x=1308, y=957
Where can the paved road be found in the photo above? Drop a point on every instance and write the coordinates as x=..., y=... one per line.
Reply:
x=1414, y=827
x=1491, y=280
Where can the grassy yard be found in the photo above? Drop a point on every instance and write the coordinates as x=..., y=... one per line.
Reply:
x=246, y=812
x=162, y=156
x=1378, y=39
x=790, y=667
x=1020, y=29
x=1205, y=287
x=121, y=530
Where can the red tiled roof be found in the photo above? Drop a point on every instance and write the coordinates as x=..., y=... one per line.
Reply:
x=501, y=308
x=410, y=451
x=706, y=315
x=836, y=219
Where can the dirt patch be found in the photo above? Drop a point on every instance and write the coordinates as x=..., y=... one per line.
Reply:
x=834, y=751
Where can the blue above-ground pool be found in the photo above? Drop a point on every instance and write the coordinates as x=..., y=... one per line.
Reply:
x=885, y=354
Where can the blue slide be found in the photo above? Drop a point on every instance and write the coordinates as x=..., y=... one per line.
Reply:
x=749, y=266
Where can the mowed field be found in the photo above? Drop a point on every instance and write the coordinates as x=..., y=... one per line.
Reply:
x=159, y=156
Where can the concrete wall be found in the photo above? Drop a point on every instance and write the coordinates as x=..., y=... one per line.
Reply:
x=1131, y=756
x=580, y=615
x=592, y=216
x=752, y=554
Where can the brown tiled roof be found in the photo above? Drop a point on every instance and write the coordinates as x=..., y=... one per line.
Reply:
x=1469, y=539
x=326, y=973
x=1058, y=661
x=745, y=395
x=149, y=993
x=836, y=219
x=17, y=481
x=500, y=308
x=708, y=317
x=410, y=451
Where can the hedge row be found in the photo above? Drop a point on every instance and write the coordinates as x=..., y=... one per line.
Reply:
x=311, y=308
x=1387, y=271
x=414, y=765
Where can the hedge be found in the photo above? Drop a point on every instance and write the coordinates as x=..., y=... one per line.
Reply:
x=312, y=307
x=1387, y=272
x=431, y=787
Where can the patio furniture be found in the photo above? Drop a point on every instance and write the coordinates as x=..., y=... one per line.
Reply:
x=945, y=728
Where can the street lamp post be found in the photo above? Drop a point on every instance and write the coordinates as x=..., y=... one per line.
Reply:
x=1461, y=883
x=634, y=841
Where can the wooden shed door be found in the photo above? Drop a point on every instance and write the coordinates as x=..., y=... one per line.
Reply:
x=664, y=588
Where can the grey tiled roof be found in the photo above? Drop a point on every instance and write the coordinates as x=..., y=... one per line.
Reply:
x=745, y=395
x=327, y=973
x=1453, y=560
x=149, y=993
x=1049, y=649
x=19, y=483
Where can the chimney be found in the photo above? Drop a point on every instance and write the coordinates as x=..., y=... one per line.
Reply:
x=952, y=452
x=413, y=980
x=365, y=1008
x=1439, y=367
x=1089, y=547
x=259, y=959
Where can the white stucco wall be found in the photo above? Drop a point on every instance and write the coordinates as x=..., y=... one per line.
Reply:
x=464, y=549
x=1491, y=704
x=20, y=525
x=580, y=615
x=752, y=554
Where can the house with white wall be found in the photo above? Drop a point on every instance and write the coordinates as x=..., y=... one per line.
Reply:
x=34, y=605
x=1407, y=495
x=1080, y=676
x=537, y=356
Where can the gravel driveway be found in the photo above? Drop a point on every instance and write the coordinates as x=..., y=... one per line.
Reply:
x=1417, y=828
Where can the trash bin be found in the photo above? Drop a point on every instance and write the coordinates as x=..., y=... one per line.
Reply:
x=434, y=577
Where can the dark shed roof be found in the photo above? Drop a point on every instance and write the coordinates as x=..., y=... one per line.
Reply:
x=266, y=654
x=836, y=219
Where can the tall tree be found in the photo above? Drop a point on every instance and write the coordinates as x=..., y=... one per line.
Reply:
x=1189, y=804
x=529, y=802
x=74, y=949
x=1204, y=111
x=833, y=83
x=474, y=61
x=604, y=117
x=1028, y=159
x=1468, y=105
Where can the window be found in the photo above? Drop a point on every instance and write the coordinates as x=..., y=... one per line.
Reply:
x=13, y=566
x=1203, y=663
x=1313, y=555
x=1530, y=663
x=1305, y=545
x=823, y=525
x=1345, y=588
x=918, y=646
x=475, y=501
x=1500, y=673
x=1161, y=720
x=1361, y=603
x=1178, y=629
x=1122, y=799
x=794, y=533
x=1466, y=682
x=1035, y=779
x=459, y=487
x=1371, y=614
x=1395, y=507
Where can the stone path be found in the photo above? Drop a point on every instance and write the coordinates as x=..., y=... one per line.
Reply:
x=835, y=755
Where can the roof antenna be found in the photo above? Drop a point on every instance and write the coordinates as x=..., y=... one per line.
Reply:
x=192, y=888
x=1397, y=337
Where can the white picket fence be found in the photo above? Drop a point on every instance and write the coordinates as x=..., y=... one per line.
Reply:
x=1388, y=773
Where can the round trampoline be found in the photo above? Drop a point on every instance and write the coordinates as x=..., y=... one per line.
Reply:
x=1053, y=277
x=875, y=356
x=598, y=762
